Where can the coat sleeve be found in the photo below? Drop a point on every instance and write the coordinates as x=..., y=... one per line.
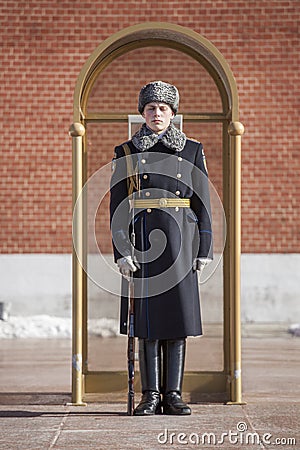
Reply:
x=200, y=203
x=119, y=206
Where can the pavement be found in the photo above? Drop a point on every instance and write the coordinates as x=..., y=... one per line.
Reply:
x=35, y=389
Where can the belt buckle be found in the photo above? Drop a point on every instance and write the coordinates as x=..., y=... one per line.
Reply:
x=163, y=202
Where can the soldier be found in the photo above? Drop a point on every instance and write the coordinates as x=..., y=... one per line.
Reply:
x=160, y=192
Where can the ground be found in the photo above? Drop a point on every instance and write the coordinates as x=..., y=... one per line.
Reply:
x=35, y=389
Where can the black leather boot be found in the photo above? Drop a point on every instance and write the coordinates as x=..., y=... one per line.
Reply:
x=150, y=371
x=173, y=364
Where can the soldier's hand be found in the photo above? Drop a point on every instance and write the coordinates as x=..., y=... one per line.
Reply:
x=200, y=263
x=127, y=265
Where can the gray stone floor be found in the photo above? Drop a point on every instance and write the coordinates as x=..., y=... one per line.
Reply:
x=35, y=389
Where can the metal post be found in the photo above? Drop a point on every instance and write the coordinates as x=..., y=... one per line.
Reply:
x=235, y=130
x=77, y=132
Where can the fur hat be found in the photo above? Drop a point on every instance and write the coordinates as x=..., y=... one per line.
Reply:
x=159, y=91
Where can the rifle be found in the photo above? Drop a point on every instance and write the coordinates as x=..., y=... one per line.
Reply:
x=133, y=183
x=131, y=349
x=131, y=340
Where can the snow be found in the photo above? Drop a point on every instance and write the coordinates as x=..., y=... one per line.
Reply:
x=47, y=327
x=294, y=329
x=44, y=326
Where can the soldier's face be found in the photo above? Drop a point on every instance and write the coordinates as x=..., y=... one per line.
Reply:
x=158, y=116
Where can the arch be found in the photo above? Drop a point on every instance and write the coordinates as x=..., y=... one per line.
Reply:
x=227, y=382
x=158, y=34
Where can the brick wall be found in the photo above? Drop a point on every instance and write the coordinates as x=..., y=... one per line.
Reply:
x=44, y=46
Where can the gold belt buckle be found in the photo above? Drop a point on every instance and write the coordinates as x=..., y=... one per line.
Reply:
x=163, y=202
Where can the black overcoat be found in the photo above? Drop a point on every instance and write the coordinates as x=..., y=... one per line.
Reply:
x=167, y=239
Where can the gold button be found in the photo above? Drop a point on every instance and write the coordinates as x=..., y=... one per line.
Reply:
x=179, y=158
x=163, y=202
x=179, y=175
x=145, y=177
x=147, y=194
x=176, y=208
x=177, y=192
x=143, y=161
x=148, y=210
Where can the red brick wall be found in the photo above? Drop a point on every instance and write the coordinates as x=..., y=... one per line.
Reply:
x=44, y=46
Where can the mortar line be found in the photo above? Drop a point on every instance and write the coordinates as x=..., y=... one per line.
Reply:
x=244, y=407
x=59, y=430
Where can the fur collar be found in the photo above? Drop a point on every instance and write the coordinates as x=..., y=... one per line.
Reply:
x=145, y=138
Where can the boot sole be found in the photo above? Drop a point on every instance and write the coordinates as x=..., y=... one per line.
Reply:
x=147, y=413
x=177, y=413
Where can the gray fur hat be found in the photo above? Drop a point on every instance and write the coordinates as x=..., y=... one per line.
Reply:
x=159, y=91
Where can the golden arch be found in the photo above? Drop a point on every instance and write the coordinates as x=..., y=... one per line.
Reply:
x=227, y=382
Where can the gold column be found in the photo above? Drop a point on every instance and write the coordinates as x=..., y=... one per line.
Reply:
x=235, y=130
x=77, y=131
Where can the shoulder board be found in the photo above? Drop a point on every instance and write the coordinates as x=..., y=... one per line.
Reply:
x=194, y=140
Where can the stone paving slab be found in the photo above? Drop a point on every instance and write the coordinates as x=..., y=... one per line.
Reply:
x=106, y=426
x=35, y=389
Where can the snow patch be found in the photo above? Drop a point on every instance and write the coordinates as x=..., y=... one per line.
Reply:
x=294, y=329
x=44, y=326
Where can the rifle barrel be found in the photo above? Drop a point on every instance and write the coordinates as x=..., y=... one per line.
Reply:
x=131, y=350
